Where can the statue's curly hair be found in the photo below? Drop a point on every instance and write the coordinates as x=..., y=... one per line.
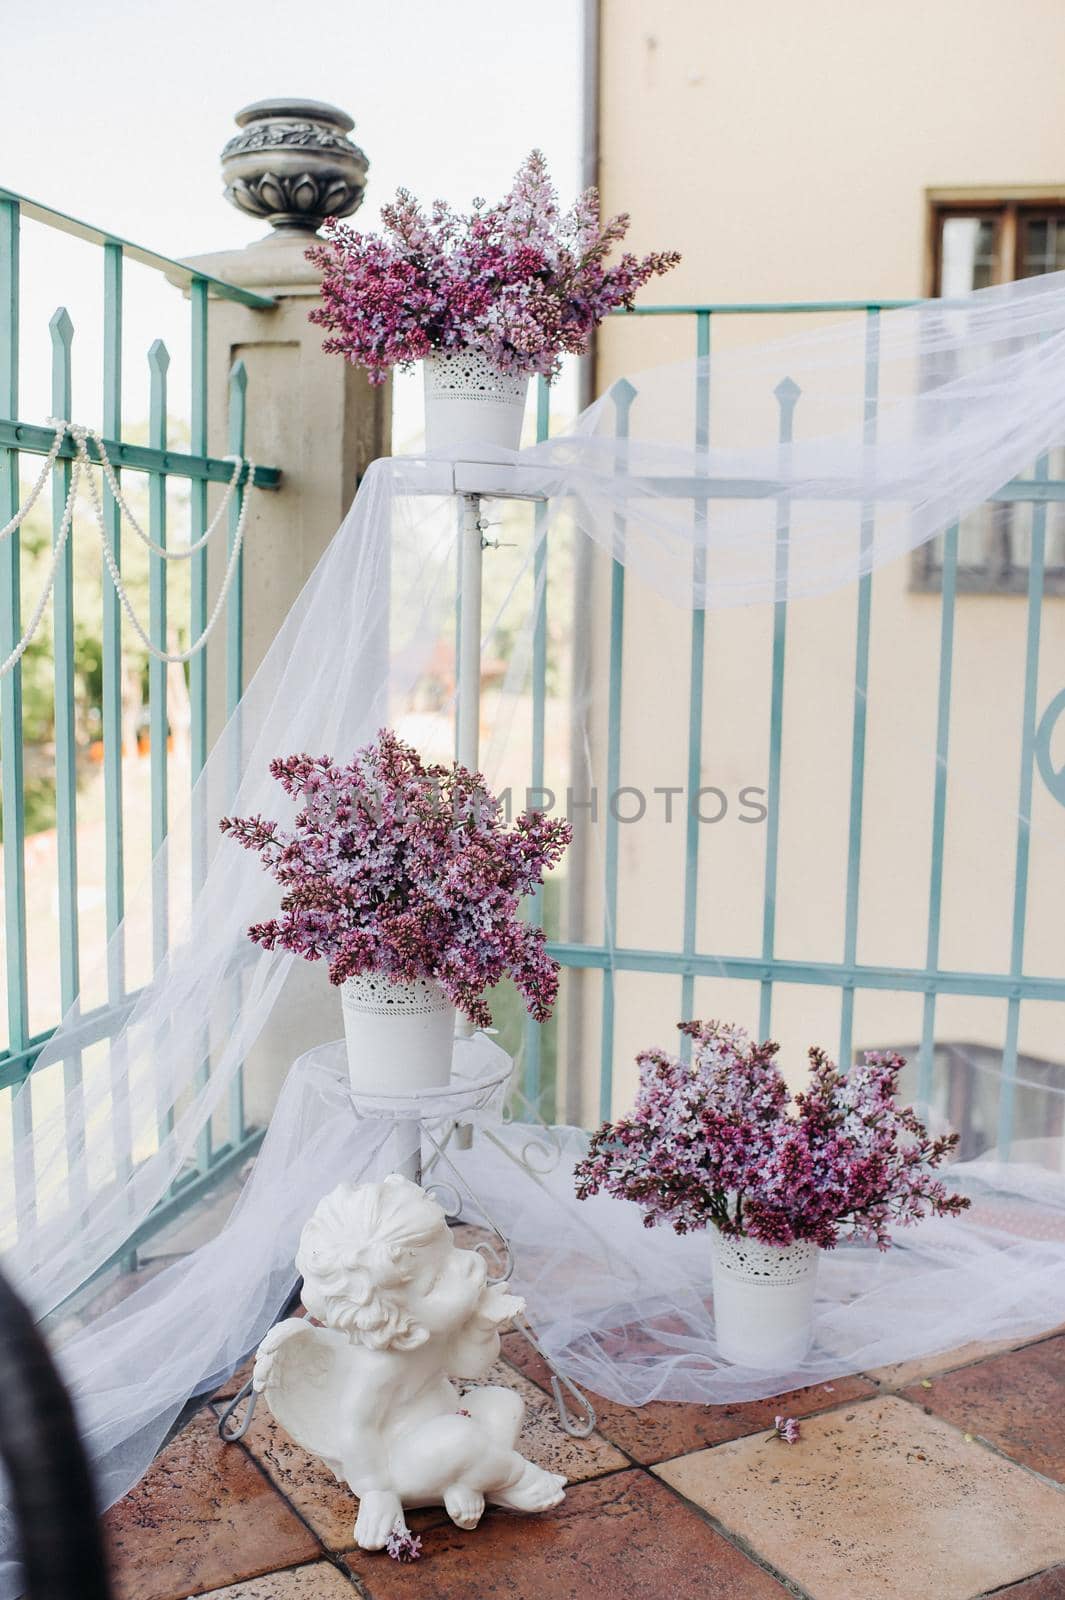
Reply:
x=361, y=1242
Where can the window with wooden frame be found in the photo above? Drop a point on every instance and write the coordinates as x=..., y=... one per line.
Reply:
x=975, y=240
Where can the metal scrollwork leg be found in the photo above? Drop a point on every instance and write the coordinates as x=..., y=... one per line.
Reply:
x=503, y=1247
x=439, y=1148
x=231, y=1436
x=576, y=1427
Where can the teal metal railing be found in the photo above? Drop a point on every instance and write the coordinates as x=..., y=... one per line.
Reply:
x=160, y=465
x=767, y=969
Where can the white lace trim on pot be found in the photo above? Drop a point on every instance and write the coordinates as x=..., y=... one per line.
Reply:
x=470, y=375
x=753, y=1262
x=373, y=994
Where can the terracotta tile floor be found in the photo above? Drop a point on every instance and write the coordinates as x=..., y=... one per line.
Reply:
x=940, y=1480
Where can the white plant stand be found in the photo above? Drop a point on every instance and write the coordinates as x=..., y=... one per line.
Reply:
x=496, y=482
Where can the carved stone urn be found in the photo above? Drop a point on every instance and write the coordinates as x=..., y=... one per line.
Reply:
x=293, y=164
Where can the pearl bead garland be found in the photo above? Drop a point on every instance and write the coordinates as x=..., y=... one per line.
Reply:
x=83, y=466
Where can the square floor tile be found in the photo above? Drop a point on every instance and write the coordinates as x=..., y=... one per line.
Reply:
x=626, y=1537
x=880, y=1502
x=665, y=1428
x=317, y=1581
x=1015, y=1401
x=202, y=1516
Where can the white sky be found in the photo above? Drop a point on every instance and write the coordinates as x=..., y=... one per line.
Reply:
x=116, y=112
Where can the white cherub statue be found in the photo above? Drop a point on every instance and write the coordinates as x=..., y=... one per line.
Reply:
x=395, y=1311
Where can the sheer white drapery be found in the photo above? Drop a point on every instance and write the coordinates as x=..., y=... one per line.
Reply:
x=803, y=489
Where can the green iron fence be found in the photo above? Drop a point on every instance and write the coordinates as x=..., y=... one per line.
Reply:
x=847, y=975
x=159, y=464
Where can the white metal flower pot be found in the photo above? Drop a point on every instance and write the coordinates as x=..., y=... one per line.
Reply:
x=400, y=1036
x=763, y=1301
x=469, y=403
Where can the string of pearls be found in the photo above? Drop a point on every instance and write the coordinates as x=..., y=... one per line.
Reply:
x=83, y=467
x=57, y=553
x=183, y=552
x=35, y=493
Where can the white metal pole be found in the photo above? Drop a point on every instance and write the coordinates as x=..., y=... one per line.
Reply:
x=468, y=710
x=407, y=1138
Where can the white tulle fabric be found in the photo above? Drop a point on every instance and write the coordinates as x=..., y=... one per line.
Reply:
x=819, y=490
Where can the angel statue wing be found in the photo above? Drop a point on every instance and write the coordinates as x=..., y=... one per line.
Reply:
x=301, y=1370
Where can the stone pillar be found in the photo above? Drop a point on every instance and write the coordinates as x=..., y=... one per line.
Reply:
x=312, y=415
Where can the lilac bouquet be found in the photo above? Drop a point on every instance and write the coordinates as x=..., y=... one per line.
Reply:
x=521, y=281
x=719, y=1140
x=407, y=870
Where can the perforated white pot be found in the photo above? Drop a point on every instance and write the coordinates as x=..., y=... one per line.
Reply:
x=399, y=1035
x=467, y=402
x=763, y=1301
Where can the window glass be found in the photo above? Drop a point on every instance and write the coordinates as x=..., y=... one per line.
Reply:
x=1042, y=245
x=967, y=254
x=995, y=243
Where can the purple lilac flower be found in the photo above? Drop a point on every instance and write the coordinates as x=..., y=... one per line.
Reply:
x=521, y=281
x=787, y=1428
x=403, y=1545
x=720, y=1140
x=407, y=870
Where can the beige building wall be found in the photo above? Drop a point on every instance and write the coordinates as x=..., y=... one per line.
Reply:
x=789, y=151
x=786, y=149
